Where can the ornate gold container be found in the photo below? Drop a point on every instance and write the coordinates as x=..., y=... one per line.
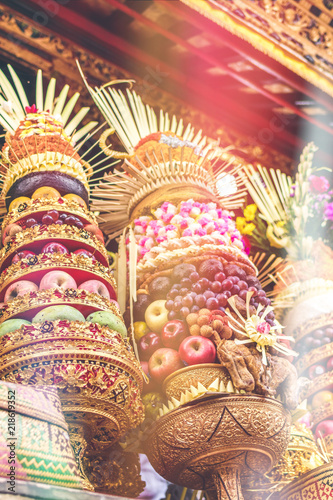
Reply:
x=211, y=443
x=314, y=485
x=181, y=380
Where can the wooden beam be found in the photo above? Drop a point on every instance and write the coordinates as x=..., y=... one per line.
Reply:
x=217, y=63
x=270, y=66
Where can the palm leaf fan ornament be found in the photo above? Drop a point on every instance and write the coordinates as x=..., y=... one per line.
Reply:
x=13, y=104
x=270, y=191
x=116, y=196
x=54, y=108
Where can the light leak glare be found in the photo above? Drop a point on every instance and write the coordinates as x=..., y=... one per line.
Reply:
x=226, y=185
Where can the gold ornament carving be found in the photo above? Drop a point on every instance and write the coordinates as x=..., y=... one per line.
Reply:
x=314, y=356
x=314, y=485
x=180, y=381
x=53, y=296
x=324, y=412
x=93, y=368
x=26, y=267
x=301, y=30
x=43, y=205
x=115, y=472
x=192, y=443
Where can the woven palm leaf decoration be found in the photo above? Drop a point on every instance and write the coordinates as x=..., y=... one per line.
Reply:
x=197, y=162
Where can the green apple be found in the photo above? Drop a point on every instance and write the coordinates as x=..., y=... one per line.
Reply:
x=106, y=318
x=11, y=325
x=52, y=313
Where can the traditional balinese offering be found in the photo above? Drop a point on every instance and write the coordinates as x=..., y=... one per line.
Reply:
x=60, y=323
x=205, y=330
x=296, y=216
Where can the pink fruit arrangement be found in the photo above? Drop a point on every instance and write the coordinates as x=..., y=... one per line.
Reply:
x=57, y=279
x=173, y=333
x=19, y=288
x=95, y=286
x=24, y=254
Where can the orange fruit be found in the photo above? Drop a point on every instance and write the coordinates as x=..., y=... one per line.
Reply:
x=45, y=192
x=18, y=201
x=77, y=198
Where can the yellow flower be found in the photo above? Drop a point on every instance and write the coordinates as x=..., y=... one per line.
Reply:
x=250, y=212
x=240, y=223
x=249, y=228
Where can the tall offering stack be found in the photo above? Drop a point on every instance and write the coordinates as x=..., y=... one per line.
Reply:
x=295, y=214
x=213, y=346
x=60, y=323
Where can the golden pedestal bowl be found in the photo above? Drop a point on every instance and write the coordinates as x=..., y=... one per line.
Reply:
x=316, y=484
x=95, y=371
x=185, y=378
x=209, y=443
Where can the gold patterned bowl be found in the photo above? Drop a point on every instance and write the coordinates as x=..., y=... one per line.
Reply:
x=182, y=380
x=95, y=370
x=34, y=238
x=316, y=484
x=28, y=305
x=214, y=441
x=41, y=206
x=79, y=267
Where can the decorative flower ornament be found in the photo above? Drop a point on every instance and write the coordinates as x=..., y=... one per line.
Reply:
x=257, y=330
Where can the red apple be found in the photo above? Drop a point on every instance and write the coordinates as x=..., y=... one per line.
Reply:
x=57, y=279
x=148, y=345
x=85, y=253
x=325, y=428
x=173, y=333
x=164, y=362
x=54, y=247
x=195, y=350
x=19, y=288
x=329, y=365
x=24, y=254
x=95, y=286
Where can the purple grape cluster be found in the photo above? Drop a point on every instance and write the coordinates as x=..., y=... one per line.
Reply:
x=210, y=285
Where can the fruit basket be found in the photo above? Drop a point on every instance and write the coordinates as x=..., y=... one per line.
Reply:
x=206, y=332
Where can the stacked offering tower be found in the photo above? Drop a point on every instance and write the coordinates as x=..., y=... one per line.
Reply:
x=60, y=323
x=206, y=332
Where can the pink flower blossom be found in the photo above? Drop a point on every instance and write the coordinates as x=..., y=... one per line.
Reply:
x=329, y=211
x=187, y=232
x=200, y=231
x=263, y=327
x=319, y=184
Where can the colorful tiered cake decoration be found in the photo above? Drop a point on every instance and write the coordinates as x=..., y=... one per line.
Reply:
x=60, y=322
